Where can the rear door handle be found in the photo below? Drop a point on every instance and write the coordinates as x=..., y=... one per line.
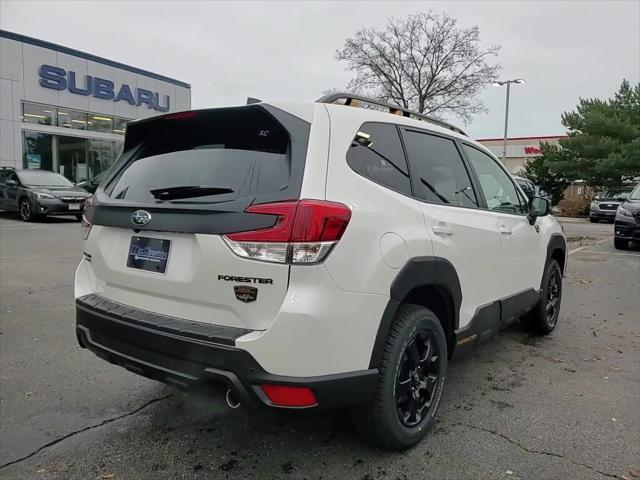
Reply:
x=442, y=230
x=504, y=230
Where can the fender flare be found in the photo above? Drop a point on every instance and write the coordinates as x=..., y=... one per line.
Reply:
x=418, y=272
x=556, y=242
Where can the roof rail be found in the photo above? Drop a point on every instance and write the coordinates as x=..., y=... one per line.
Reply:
x=350, y=97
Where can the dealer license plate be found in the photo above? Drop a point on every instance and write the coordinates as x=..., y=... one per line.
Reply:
x=150, y=254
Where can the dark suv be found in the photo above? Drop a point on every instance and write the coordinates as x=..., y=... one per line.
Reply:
x=38, y=193
x=604, y=206
x=627, y=223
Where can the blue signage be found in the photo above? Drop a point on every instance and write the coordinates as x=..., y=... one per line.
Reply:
x=58, y=78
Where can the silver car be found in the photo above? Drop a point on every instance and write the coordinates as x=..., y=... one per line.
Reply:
x=604, y=206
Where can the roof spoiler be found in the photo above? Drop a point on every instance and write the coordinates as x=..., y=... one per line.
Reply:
x=354, y=100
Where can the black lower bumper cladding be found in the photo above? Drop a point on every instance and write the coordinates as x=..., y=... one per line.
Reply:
x=627, y=231
x=192, y=355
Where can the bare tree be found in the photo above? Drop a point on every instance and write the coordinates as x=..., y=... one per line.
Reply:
x=423, y=62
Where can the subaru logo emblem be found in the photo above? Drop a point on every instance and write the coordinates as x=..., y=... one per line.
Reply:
x=140, y=217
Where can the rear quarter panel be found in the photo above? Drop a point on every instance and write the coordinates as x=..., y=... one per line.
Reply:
x=386, y=227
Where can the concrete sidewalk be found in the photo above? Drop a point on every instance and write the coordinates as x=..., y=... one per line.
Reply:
x=572, y=219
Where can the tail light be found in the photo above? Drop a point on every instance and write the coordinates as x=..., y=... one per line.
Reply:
x=85, y=224
x=180, y=115
x=85, y=227
x=304, y=232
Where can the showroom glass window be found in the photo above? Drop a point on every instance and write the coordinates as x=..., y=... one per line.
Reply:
x=119, y=126
x=499, y=190
x=38, y=114
x=37, y=151
x=376, y=153
x=440, y=174
x=101, y=157
x=100, y=123
x=72, y=119
x=64, y=117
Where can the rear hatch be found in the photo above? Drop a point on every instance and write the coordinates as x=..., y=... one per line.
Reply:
x=182, y=183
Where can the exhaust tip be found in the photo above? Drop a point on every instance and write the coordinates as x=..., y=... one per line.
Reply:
x=231, y=399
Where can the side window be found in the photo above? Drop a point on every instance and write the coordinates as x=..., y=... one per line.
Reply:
x=441, y=176
x=376, y=153
x=498, y=189
x=3, y=176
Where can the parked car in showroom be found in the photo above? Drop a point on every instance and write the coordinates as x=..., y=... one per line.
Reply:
x=312, y=256
x=38, y=193
x=627, y=221
x=604, y=206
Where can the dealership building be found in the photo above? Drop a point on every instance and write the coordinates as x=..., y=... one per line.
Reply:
x=519, y=149
x=66, y=111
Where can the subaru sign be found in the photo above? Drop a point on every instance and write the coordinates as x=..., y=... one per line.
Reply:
x=58, y=78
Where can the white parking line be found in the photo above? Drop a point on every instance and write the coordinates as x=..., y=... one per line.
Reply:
x=613, y=253
x=18, y=228
x=591, y=245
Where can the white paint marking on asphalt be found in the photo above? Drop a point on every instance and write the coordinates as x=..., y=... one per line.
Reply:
x=578, y=249
x=18, y=228
x=613, y=253
x=587, y=246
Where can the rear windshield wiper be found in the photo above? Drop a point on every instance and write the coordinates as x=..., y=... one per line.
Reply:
x=188, y=191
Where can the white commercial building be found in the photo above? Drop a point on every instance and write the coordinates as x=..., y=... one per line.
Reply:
x=520, y=150
x=66, y=111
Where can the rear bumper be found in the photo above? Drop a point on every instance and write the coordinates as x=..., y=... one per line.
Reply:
x=189, y=355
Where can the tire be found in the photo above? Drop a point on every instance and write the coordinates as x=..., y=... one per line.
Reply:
x=25, y=210
x=543, y=318
x=415, y=334
x=620, y=243
x=593, y=220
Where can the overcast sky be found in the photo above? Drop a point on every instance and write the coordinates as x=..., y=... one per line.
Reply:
x=228, y=51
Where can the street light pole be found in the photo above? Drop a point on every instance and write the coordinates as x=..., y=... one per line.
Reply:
x=506, y=126
x=506, y=113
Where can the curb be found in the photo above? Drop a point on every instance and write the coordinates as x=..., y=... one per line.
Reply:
x=572, y=219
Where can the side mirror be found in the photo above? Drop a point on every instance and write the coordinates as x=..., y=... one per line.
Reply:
x=11, y=183
x=538, y=207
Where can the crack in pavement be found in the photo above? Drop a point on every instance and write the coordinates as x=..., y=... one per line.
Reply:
x=90, y=427
x=537, y=452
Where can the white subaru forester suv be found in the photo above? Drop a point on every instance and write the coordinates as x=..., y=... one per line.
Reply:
x=312, y=256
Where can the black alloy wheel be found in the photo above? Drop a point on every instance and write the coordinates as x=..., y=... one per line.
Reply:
x=542, y=318
x=417, y=379
x=412, y=371
x=554, y=290
x=26, y=211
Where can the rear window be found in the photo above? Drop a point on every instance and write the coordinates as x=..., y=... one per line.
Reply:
x=205, y=157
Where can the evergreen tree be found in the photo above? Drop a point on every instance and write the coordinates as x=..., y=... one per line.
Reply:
x=603, y=144
x=545, y=171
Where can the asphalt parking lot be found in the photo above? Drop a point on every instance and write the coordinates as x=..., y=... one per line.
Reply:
x=564, y=406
